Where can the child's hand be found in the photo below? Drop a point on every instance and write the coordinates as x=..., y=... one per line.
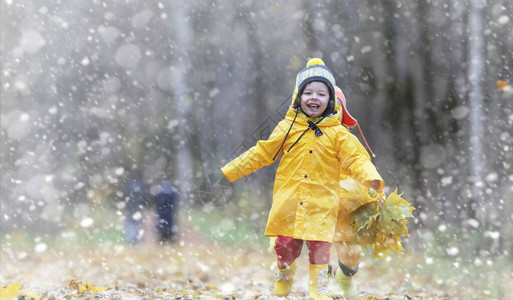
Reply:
x=215, y=189
x=218, y=178
x=375, y=184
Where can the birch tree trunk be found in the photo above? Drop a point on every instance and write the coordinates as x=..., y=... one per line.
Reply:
x=181, y=32
x=475, y=73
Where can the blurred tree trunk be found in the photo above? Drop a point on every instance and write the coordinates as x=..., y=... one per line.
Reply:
x=309, y=32
x=255, y=94
x=455, y=102
x=475, y=74
x=502, y=146
x=182, y=99
x=208, y=135
x=343, y=31
x=208, y=61
x=422, y=79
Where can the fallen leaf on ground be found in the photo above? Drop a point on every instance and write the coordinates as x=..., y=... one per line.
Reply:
x=82, y=287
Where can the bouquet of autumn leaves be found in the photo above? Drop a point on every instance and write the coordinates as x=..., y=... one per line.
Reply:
x=377, y=224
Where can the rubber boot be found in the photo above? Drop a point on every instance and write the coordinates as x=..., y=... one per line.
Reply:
x=318, y=283
x=284, y=280
x=344, y=277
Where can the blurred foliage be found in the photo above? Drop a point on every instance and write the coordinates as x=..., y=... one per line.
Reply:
x=381, y=225
x=94, y=91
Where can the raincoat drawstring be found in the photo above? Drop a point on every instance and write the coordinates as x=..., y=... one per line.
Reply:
x=285, y=138
x=311, y=125
x=361, y=133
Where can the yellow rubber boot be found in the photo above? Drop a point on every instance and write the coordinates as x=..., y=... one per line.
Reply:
x=284, y=280
x=318, y=283
x=346, y=284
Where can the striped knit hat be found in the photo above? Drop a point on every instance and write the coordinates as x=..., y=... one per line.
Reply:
x=315, y=70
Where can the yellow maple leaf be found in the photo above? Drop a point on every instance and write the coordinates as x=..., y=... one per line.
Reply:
x=100, y=289
x=29, y=294
x=83, y=287
x=72, y=284
x=502, y=85
x=381, y=225
x=10, y=291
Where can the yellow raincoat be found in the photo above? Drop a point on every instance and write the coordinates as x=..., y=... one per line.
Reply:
x=306, y=189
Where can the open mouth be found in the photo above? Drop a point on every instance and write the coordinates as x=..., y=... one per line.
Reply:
x=313, y=106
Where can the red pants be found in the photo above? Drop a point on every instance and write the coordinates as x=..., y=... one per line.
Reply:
x=288, y=249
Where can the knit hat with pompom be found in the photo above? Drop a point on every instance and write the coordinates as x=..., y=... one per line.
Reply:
x=315, y=70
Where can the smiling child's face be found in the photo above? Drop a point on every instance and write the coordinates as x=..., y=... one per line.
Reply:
x=314, y=98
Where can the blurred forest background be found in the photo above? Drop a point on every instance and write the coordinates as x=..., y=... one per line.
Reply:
x=92, y=91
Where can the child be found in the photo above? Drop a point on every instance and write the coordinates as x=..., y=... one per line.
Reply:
x=315, y=150
x=348, y=252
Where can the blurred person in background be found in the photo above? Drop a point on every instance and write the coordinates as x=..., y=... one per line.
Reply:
x=138, y=198
x=166, y=205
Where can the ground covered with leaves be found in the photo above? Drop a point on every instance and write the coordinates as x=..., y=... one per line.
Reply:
x=197, y=267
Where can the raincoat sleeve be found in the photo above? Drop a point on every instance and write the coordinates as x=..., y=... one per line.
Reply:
x=256, y=157
x=356, y=162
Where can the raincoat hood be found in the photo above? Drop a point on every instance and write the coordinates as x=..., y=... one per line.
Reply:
x=347, y=119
